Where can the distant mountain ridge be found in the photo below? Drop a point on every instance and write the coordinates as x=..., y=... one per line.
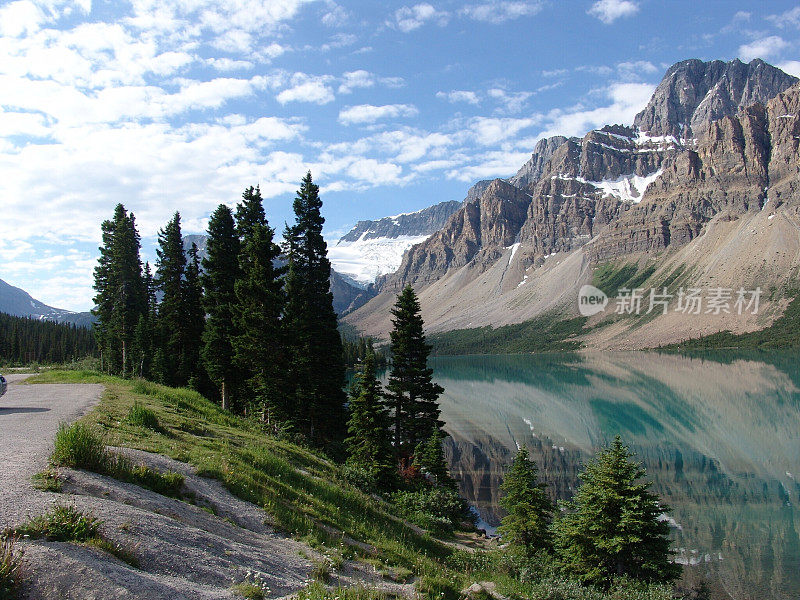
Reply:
x=19, y=303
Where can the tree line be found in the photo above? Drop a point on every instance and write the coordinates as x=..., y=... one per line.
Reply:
x=27, y=340
x=256, y=333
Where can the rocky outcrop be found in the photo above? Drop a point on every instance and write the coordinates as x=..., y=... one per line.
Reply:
x=694, y=94
x=486, y=226
x=738, y=164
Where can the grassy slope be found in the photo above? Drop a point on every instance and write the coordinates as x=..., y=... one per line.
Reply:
x=784, y=333
x=305, y=496
x=543, y=334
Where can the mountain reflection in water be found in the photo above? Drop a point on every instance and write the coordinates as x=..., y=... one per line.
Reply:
x=718, y=434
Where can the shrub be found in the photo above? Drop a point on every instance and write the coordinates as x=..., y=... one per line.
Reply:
x=62, y=524
x=439, y=508
x=359, y=477
x=10, y=568
x=78, y=446
x=141, y=416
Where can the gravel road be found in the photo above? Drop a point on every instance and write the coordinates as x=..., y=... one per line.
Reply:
x=29, y=418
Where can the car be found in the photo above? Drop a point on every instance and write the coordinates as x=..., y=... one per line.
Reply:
x=3, y=385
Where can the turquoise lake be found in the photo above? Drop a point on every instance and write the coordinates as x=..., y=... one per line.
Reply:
x=719, y=436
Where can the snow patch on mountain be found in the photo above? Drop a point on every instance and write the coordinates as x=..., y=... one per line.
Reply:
x=365, y=259
x=628, y=188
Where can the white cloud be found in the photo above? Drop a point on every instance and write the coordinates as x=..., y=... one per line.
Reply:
x=488, y=131
x=627, y=99
x=306, y=88
x=356, y=79
x=501, y=11
x=229, y=64
x=609, y=11
x=409, y=18
x=513, y=102
x=792, y=67
x=367, y=113
x=790, y=18
x=459, y=96
x=20, y=18
x=636, y=70
x=762, y=48
x=371, y=170
x=492, y=164
x=336, y=16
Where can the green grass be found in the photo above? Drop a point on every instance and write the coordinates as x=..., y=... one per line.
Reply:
x=548, y=333
x=65, y=523
x=10, y=567
x=317, y=591
x=48, y=481
x=248, y=590
x=142, y=416
x=79, y=446
x=610, y=277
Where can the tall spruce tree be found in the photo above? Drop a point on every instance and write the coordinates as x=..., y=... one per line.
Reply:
x=194, y=323
x=530, y=512
x=170, y=271
x=412, y=395
x=368, y=445
x=317, y=365
x=121, y=295
x=220, y=272
x=612, y=527
x=258, y=344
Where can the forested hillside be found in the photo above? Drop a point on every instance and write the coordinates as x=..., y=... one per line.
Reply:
x=26, y=340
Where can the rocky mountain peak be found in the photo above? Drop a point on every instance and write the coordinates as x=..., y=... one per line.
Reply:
x=694, y=93
x=532, y=170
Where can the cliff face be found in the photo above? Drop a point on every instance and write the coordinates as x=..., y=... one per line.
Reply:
x=485, y=225
x=738, y=165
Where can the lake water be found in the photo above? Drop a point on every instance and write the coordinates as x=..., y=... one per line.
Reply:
x=718, y=435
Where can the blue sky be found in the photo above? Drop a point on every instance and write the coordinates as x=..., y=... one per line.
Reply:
x=168, y=105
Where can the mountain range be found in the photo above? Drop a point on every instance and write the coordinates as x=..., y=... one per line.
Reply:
x=19, y=303
x=699, y=191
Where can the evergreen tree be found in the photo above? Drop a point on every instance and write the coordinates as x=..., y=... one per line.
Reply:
x=220, y=271
x=429, y=457
x=121, y=295
x=258, y=346
x=527, y=524
x=368, y=444
x=612, y=527
x=317, y=366
x=170, y=270
x=412, y=394
x=146, y=328
x=194, y=323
